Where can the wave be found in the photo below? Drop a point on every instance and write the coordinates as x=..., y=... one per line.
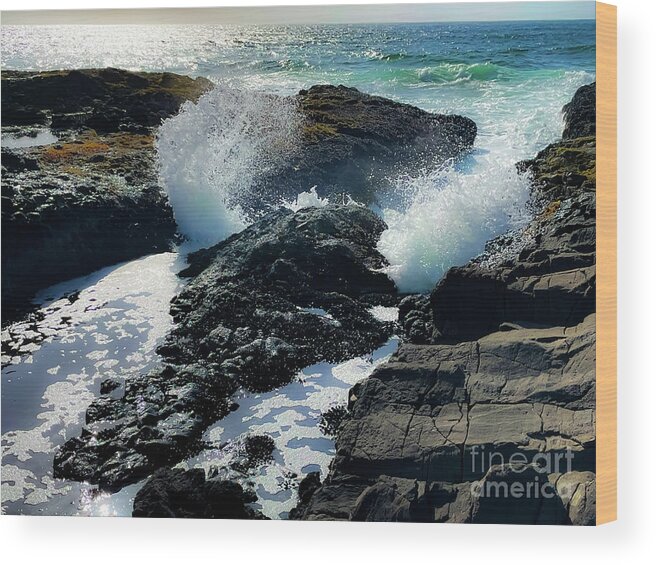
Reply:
x=213, y=152
x=452, y=213
x=308, y=199
x=460, y=72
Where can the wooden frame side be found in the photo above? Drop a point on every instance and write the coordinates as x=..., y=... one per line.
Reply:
x=606, y=464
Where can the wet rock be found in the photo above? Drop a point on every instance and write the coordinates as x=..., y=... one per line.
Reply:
x=92, y=199
x=581, y=113
x=415, y=317
x=176, y=493
x=351, y=143
x=117, y=95
x=16, y=160
x=494, y=386
x=109, y=385
x=543, y=273
x=241, y=324
x=256, y=322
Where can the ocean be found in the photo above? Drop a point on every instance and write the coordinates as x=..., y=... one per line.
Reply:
x=511, y=78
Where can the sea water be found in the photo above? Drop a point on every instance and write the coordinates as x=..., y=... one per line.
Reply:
x=512, y=79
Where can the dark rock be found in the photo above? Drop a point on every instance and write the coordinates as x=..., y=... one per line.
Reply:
x=306, y=488
x=352, y=143
x=435, y=414
x=175, y=493
x=581, y=113
x=241, y=324
x=109, y=385
x=63, y=226
x=543, y=273
x=92, y=199
x=114, y=95
x=16, y=161
x=415, y=317
x=577, y=490
x=498, y=368
x=495, y=501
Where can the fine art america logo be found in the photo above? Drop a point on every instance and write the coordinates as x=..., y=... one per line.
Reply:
x=518, y=475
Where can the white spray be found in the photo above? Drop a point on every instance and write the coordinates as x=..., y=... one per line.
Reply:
x=213, y=151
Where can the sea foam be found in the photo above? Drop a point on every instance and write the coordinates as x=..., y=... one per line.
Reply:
x=212, y=153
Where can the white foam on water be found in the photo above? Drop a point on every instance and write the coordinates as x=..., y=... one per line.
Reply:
x=111, y=329
x=443, y=217
x=212, y=152
x=385, y=313
x=308, y=199
x=36, y=139
x=451, y=216
x=291, y=416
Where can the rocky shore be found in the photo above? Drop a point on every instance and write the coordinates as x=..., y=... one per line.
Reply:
x=91, y=198
x=293, y=289
x=290, y=290
x=494, y=388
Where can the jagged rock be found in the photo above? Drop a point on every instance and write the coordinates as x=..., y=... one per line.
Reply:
x=176, y=493
x=494, y=386
x=94, y=94
x=352, y=143
x=543, y=273
x=306, y=488
x=93, y=198
x=580, y=113
x=415, y=317
x=291, y=290
x=444, y=413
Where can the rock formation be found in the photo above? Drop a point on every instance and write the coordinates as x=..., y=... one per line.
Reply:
x=353, y=142
x=288, y=291
x=176, y=493
x=487, y=412
x=91, y=199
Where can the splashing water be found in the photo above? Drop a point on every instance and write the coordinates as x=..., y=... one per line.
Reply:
x=306, y=200
x=212, y=153
x=446, y=216
x=451, y=216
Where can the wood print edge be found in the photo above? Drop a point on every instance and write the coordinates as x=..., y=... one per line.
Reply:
x=606, y=455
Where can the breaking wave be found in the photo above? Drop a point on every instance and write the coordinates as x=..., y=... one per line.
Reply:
x=213, y=152
x=450, y=217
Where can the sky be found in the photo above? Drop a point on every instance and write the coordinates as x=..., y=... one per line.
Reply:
x=439, y=12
